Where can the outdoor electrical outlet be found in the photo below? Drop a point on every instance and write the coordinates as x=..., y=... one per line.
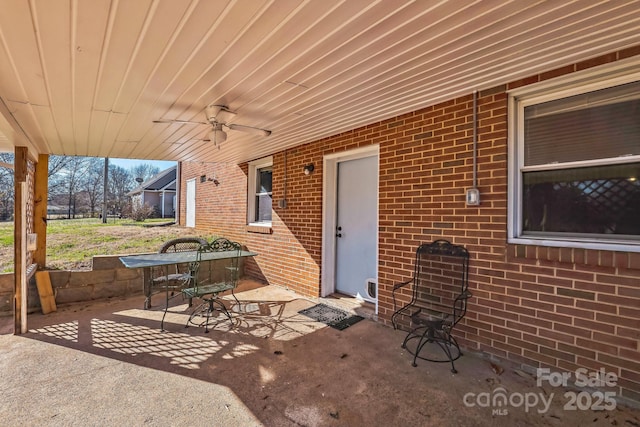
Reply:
x=473, y=197
x=282, y=203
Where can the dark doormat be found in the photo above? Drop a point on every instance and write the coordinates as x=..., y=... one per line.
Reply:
x=334, y=317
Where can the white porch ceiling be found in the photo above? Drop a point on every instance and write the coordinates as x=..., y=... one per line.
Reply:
x=88, y=77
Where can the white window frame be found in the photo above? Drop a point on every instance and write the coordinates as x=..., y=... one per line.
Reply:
x=620, y=72
x=254, y=166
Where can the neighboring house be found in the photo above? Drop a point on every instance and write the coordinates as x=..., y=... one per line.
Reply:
x=159, y=192
x=57, y=211
x=555, y=268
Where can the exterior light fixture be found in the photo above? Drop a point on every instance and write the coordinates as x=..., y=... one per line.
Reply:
x=308, y=169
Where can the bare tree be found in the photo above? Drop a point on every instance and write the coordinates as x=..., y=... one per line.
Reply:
x=67, y=180
x=57, y=163
x=7, y=188
x=93, y=184
x=78, y=182
x=120, y=183
x=144, y=171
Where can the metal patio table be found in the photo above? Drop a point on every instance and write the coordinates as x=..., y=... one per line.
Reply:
x=147, y=261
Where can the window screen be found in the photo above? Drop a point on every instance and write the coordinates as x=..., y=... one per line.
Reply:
x=599, y=199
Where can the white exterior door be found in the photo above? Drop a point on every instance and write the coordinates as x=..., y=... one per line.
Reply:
x=191, y=203
x=357, y=226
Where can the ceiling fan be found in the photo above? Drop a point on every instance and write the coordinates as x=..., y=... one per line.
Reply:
x=219, y=117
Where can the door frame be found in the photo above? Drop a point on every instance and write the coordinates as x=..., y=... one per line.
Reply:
x=186, y=209
x=329, y=212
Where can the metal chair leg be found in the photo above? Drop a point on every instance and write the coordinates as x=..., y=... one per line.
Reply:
x=166, y=308
x=237, y=301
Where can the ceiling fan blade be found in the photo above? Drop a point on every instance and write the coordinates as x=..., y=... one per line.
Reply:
x=179, y=121
x=249, y=129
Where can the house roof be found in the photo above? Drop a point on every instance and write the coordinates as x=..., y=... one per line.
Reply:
x=90, y=78
x=163, y=181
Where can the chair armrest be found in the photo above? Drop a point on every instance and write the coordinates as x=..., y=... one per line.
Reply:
x=397, y=311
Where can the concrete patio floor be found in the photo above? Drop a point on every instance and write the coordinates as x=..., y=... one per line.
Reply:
x=107, y=363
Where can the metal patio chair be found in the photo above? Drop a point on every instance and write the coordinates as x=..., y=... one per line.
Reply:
x=211, y=278
x=173, y=278
x=437, y=297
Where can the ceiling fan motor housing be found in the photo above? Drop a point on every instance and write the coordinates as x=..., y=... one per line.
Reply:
x=219, y=113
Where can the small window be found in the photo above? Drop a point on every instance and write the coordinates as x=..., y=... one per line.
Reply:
x=263, y=195
x=260, y=192
x=576, y=169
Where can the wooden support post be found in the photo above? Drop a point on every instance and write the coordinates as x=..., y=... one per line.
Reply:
x=20, y=241
x=40, y=210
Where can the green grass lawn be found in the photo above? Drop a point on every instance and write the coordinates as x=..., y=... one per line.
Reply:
x=71, y=244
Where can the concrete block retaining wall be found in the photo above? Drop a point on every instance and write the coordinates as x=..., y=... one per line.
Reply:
x=108, y=278
x=6, y=294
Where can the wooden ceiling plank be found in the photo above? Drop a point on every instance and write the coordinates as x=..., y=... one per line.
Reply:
x=482, y=60
x=125, y=25
x=54, y=40
x=217, y=41
x=439, y=23
x=202, y=53
x=253, y=50
x=52, y=144
x=112, y=126
x=237, y=11
x=179, y=51
x=90, y=24
x=11, y=85
x=157, y=33
x=450, y=90
x=99, y=121
x=18, y=36
x=293, y=56
x=383, y=54
x=358, y=81
x=164, y=132
x=226, y=55
x=357, y=77
x=13, y=132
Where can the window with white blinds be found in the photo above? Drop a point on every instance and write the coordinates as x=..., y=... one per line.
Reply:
x=577, y=166
x=595, y=125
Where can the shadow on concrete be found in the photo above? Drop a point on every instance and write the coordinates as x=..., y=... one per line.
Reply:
x=108, y=363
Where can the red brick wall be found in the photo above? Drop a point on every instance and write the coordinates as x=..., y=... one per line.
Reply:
x=538, y=306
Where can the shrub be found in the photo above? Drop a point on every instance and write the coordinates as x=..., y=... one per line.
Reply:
x=139, y=211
